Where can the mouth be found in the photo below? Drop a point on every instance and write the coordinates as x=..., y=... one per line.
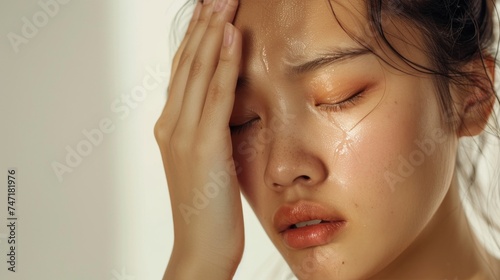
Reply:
x=307, y=224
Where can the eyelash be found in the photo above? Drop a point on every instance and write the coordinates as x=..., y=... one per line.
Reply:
x=336, y=107
x=237, y=129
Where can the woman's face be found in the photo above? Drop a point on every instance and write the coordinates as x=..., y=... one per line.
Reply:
x=325, y=130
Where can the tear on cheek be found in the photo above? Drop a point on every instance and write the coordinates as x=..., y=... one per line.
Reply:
x=347, y=136
x=366, y=110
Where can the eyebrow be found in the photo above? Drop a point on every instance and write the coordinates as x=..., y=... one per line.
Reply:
x=322, y=60
x=328, y=58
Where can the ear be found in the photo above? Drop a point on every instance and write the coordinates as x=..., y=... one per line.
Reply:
x=479, y=97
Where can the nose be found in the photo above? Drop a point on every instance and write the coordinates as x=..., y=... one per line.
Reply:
x=294, y=160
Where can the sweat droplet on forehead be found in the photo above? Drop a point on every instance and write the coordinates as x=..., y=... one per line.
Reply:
x=284, y=32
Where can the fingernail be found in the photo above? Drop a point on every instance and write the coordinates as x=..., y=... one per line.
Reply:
x=228, y=35
x=219, y=6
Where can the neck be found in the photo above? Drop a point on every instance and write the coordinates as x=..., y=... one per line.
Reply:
x=446, y=249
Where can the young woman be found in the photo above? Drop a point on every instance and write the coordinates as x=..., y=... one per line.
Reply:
x=340, y=122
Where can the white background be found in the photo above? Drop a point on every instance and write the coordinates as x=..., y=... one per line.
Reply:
x=109, y=218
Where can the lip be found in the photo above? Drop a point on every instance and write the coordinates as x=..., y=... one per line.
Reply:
x=308, y=236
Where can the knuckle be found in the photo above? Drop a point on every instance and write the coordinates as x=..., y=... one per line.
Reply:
x=196, y=67
x=161, y=131
x=203, y=20
x=215, y=92
x=185, y=57
x=214, y=24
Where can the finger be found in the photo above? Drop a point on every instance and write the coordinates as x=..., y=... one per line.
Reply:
x=170, y=113
x=179, y=80
x=204, y=65
x=189, y=31
x=220, y=97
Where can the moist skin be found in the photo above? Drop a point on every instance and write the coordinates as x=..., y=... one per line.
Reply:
x=341, y=159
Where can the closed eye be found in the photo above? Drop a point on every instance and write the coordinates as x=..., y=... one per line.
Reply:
x=333, y=107
x=237, y=129
x=345, y=104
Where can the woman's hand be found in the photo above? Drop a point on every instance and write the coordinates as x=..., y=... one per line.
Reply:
x=195, y=142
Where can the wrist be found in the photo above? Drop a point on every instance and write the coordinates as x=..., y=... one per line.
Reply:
x=185, y=266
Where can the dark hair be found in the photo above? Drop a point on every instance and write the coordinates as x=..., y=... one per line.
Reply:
x=455, y=32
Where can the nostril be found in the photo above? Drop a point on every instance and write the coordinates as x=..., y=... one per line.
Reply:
x=304, y=178
x=301, y=180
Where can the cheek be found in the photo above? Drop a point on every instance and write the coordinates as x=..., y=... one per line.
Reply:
x=388, y=181
x=405, y=167
x=408, y=148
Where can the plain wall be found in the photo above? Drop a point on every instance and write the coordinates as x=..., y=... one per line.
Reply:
x=107, y=215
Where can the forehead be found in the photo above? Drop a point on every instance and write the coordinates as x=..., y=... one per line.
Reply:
x=281, y=33
x=295, y=29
